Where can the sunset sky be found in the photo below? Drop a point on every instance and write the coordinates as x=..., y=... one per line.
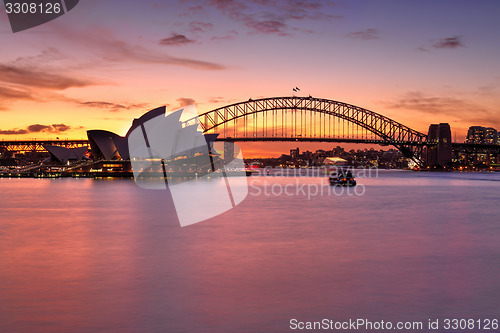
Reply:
x=106, y=62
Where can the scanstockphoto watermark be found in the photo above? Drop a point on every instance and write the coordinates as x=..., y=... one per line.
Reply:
x=334, y=181
x=319, y=171
x=297, y=188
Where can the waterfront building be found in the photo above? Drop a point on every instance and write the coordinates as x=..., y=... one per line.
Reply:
x=490, y=135
x=294, y=153
x=482, y=135
x=65, y=155
x=108, y=145
x=475, y=134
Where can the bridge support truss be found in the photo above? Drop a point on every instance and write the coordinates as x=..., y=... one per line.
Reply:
x=310, y=119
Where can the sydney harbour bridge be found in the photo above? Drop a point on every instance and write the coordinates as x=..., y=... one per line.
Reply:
x=311, y=119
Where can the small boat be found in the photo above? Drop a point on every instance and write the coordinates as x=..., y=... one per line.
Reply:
x=343, y=177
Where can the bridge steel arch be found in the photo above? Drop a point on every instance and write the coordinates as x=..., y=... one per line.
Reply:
x=409, y=141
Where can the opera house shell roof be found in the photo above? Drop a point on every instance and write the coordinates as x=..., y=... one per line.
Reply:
x=65, y=155
x=110, y=146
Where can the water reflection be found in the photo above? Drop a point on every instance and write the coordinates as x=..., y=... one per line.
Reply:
x=84, y=255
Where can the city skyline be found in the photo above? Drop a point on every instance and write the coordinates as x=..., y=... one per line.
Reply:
x=103, y=64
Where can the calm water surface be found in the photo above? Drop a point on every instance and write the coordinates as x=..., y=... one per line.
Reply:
x=106, y=256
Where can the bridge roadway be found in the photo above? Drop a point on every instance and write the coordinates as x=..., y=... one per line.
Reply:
x=313, y=139
x=24, y=146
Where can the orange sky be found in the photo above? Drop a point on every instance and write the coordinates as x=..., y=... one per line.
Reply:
x=104, y=63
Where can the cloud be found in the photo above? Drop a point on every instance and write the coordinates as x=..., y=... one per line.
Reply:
x=367, y=34
x=269, y=16
x=219, y=100
x=29, y=78
x=268, y=27
x=39, y=78
x=449, y=107
x=490, y=89
x=37, y=128
x=56, y=128
x=7, y=93
x=265, y=22
x=231, y=35
x=103, y=43
x=185, y=101
x=48, y=55
x=13, y=132
x=227, y=37
x=197, y=26
x=448, y=43
x=112, y=107
x=175, y=40
x=61, y=127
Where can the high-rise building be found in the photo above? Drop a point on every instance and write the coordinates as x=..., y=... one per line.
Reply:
x=490, y=135
x=475, y=134
x=480, y=134
x=294, y=153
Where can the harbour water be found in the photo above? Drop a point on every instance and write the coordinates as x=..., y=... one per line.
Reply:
x=84, y=255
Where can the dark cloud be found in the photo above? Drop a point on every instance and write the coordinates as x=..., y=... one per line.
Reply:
x=13, y=132
x=448, y=43
x=7, y=93
x=299, y=4
x=269, y=16
x=175, y=40
x=185, y=101
x=231, y=6
x=33, y=78
x=38, y=128
x=367, y=34
x=38, y=78
x=61, y=128
x=56, y=128
x=300, y=10
x=112, y=107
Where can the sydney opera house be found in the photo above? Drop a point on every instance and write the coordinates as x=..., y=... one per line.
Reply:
x=156, y=142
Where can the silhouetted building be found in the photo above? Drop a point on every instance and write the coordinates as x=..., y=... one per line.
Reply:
x=64, y=155
x=294, y=153
x=3, y=153
x=475, y=134
x=490, y=135
x=108, y=145
x=439, y=154
x=480, y=134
